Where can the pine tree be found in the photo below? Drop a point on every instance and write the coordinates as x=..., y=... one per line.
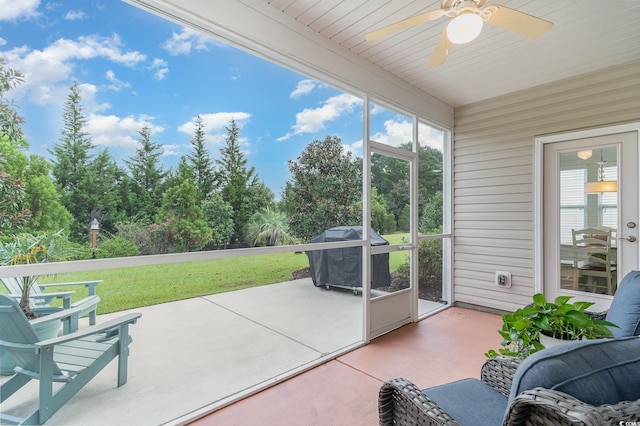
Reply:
x=201, y=162
x=72, y=154
x=147, y=175
x=71, y=164
x=104, y=198
x=235, y=181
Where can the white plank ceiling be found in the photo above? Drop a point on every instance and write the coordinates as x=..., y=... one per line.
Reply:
x=588, y=35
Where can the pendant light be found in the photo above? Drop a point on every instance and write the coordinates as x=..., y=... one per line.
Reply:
x=601, y=185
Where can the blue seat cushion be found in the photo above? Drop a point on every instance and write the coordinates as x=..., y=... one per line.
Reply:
x=470, y=402
x=625, y=307
x=602, y=371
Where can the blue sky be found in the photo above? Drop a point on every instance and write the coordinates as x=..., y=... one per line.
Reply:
x=135, y=68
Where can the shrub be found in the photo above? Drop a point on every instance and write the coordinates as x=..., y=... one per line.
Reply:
x=117, y=247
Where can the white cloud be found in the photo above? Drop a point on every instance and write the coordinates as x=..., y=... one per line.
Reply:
x=161, y=74
x=187, y=40
x=170, y=150
x=312, y=120
x=355, y=148
x=11, y=10
x=75, y=15
x=430, y=136
x=113, y=131
x=304, y=87
x=89, y=102
x=2, y=41
x=51, y=69
x=396, y=133
x=160, y=68
x=215, y=125
x=116, y=84
x=377, y=110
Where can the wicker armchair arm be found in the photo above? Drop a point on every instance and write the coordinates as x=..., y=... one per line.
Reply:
x=542, y=406
x=498, y=373
x=400, y=402
x=597, y=315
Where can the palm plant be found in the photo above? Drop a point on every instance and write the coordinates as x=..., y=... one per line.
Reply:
x=26, y=249
x=269, y=227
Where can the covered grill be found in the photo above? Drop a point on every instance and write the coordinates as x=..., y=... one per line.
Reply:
x=342, y=267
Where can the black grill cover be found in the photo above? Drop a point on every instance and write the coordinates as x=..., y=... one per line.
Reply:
x=343, y=266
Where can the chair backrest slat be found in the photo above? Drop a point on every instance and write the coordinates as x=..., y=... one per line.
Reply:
x=16, y=328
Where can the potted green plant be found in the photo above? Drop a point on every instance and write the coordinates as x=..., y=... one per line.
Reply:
x=25, y=249
x=523, y=329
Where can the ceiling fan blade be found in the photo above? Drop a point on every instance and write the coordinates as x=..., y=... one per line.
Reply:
x=518, y=22
x=404, y=24
x=441, y=51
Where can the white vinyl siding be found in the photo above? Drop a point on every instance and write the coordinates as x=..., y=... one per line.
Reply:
x=494, y=179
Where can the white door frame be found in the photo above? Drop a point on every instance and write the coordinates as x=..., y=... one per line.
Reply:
x=540, y=141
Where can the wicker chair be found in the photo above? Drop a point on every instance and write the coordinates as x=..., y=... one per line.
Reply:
x=403, y=403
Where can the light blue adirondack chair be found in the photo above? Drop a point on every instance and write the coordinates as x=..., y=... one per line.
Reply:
x=73, y=359
x=40, y=299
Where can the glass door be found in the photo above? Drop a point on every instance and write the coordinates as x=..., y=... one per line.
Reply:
x=590, y=215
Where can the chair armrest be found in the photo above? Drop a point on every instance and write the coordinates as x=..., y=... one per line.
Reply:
x=57, y=316
x=69, y=318
x=498, y=373
x=597, y=315
x=94, y=329
x=91, y=285
x=400, y=402
x=45, y=299
x=552, y=407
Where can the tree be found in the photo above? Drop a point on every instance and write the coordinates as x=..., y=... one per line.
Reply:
x=381, y=219
x=147, y=175
x=43, y=201
x=71, y=164
x=201, y=162
x=326, y=185
x=237, y=182
x=12, y=213
x=12, y=216
x=431, y=221
x=390, y=176
x=219, y=216
x=268, y=228
x=101, y=194
x=10, y=120
x=182, y=215
x=72, y=154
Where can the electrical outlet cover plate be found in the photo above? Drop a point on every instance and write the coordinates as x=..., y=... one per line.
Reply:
x=503, y=279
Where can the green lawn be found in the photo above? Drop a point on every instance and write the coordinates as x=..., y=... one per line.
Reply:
x=133, y=287
x=397, y=258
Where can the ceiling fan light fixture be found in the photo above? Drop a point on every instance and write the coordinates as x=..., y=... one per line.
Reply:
x=464, y=28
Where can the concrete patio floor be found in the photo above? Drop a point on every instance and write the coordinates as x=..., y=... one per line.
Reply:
x=190, y=354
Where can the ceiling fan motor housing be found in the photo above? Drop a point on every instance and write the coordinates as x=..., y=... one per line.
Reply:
x=453, y=7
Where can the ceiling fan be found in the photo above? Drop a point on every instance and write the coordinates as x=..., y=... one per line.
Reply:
x=468, y=17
